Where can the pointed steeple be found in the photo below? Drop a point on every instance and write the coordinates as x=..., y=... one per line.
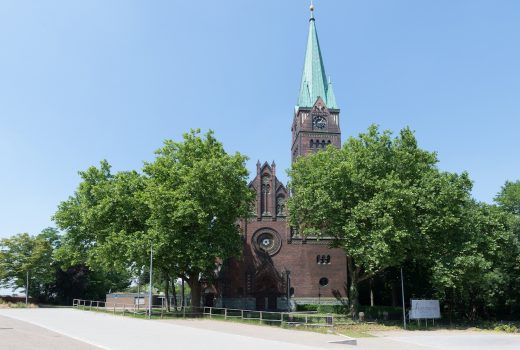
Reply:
x=314, y=82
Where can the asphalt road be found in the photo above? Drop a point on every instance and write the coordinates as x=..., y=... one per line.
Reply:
x=119, y=332
x=76, y=329
x=18, y=335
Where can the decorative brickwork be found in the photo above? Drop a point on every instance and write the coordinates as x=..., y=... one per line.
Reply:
x=277, y=262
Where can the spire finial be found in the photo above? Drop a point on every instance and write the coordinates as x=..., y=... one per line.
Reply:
x=312, y=9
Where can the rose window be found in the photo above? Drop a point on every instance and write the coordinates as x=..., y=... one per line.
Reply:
x=267, y=241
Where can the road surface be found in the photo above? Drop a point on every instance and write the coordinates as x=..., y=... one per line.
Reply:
x=87, y=330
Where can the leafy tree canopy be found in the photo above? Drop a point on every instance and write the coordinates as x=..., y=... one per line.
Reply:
x=22, y=254
x=186, y=205
x=196, y=193
x=509, y=197
x=380, y=198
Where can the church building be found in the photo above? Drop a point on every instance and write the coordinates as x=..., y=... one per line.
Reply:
x=278, y=267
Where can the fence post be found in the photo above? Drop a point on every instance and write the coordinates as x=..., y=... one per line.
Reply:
x=114, y=308
x=260, y=316
x=124, y=309
x=225, y=314
x=90, y=308
x=210, y=311
x=242, y=314
x=184, y=312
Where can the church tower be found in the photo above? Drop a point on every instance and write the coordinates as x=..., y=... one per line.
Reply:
x=279, y=268
x=316, y=115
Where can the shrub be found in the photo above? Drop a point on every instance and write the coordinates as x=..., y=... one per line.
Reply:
x=508, y=328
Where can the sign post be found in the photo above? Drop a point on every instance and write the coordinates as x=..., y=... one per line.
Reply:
x=151, y=281
x=402, y=294
x=425, y=309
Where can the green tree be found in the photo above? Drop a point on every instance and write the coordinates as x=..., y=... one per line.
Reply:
x=105, y=233
x=196, y=194
x=105, y=220
x=471, y=266
x=186, y=206
x=379, y=198
x=509, y=197
x=23, y=254
x=80, y=282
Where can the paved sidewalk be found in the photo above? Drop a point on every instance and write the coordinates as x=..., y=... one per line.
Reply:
x=293, y=336
x=455, y=339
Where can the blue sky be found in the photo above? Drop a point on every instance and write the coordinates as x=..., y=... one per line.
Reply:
x=82, y=81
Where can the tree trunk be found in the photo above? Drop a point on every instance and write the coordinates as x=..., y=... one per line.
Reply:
x=354, y=292
x=371, y=294
x=138, y=293
x=394, y=294
x=174, y=292
x=167, y=291
x=354, y=296
x=183, y=301
x=195, y=290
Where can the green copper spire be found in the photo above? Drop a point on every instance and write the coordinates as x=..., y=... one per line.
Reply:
x=314, y=80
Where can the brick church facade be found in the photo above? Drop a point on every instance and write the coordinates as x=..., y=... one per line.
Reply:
x=278, y=267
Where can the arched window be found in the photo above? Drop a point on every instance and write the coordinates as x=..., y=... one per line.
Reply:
x=327, y=260
x=317, y=259
x=280, y=205
x=266, y=190
x=322, y=143
x=311, y=144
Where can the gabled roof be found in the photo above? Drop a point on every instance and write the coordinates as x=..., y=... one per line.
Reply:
x=314, y=82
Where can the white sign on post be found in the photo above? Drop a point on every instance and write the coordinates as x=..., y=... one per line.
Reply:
x=425, y=309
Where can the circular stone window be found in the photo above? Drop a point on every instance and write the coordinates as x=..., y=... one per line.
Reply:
x=324, y=281
x=267, y=240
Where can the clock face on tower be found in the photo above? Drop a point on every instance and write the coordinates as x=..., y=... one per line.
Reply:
x=319, y=122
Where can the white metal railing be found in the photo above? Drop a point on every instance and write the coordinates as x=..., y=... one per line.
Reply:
x=282, y=318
